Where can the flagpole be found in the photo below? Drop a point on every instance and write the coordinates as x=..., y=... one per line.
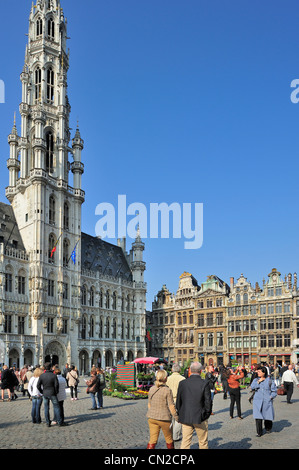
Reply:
x=73, y=251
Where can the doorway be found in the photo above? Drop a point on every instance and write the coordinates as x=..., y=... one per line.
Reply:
x=53, y=359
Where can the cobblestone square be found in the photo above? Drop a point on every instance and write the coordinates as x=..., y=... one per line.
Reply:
x=123, y=425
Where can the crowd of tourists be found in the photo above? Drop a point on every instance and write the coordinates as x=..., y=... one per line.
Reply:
x=48, y=384
x=178, y=403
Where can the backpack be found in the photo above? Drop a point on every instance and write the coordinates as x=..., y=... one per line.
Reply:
x=101, y=381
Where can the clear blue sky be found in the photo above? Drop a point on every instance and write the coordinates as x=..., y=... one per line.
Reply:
x=182, y=101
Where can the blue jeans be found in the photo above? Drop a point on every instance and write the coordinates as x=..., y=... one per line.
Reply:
x=35, y=410
x=100, y=398
x=93, y=399
x=56, y=407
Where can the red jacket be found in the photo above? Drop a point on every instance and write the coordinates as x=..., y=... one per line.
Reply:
x=233, y=380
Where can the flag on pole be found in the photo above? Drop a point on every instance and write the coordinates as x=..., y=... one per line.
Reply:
x=55, y=246
x=149, y=335
x=73, y=255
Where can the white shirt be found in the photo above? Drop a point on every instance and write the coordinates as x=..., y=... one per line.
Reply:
x=32, y=387
x=289, y=376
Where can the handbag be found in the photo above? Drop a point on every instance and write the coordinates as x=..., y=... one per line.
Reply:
x=281, y=390
x=87, y=390
x=251, y=396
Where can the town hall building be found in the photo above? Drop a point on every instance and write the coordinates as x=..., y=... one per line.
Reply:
x=65, y=296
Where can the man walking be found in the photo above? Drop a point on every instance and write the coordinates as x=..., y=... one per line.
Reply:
x=173, y=382
x=48, y=386
x=194, y=407
x=289, y=379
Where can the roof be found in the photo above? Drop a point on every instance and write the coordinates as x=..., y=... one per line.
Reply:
x=106, y=258
x=9, y=232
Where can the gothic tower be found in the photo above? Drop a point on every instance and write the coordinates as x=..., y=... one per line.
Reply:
x=47, y=206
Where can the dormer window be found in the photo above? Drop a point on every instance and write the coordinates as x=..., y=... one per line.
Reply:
x=51, y=29
x=39, y=27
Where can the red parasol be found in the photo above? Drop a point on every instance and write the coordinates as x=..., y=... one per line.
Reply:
x=146, y=360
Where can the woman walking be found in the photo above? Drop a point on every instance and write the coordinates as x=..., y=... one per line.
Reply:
x=234, y=391
x=161, y=408
x=265, y=392
x=7, y=383
x=289, y=379
x=72, y=379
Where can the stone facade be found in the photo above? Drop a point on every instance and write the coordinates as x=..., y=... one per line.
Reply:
x=217, y=323
x=64, y=295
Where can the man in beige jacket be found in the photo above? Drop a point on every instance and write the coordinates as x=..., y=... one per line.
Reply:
x=173, y=383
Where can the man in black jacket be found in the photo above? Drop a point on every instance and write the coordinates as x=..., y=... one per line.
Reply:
x=194, y=407
x=48, y=386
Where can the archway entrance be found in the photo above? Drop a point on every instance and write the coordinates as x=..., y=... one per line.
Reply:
x=84, y=367
x=108, y=359
x=119, y=357
x=96, y=358
x=14, y=358
x=28, y=357
x=53, y=359
x=55, y=353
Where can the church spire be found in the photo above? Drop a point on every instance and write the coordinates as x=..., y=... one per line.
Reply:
x=43, y=172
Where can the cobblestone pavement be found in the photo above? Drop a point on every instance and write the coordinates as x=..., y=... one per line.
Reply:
x=123, y=425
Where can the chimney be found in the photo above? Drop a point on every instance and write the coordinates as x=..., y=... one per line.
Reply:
x=232, y=283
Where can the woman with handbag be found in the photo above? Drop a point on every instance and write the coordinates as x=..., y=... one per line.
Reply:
x=161, y=408
x=265, y=392
x=72, y=379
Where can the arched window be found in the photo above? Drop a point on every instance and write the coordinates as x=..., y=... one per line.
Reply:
x=50, y=153
x=22, y=282
x=107, y=328
x=38, y=84
x=65, y=252
x=91, y=328
x=84, y=295
x=123, y=329
x=51, y=251
x=101, y=328
x=83, y=328
x=52, y=213
x=114, y=329
x=114, y=301
x=101, y=299
x=91, y=297
x=107, y=299
x=66, y=220
x=51, y=28
x=50, y=86
x=39, y=27
x=8, y=279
